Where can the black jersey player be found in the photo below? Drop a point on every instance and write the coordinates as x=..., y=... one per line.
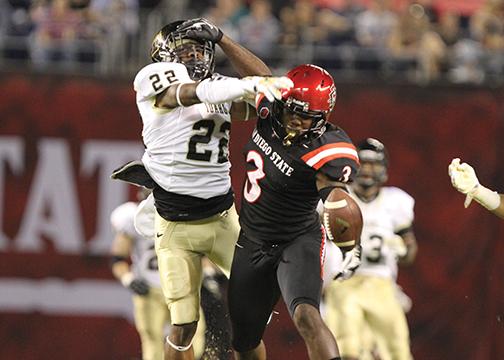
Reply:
x=294, y=158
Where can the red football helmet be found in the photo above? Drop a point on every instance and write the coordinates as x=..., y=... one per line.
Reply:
x=313, y=94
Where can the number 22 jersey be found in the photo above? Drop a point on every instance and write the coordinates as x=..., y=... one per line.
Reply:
x=280, y=195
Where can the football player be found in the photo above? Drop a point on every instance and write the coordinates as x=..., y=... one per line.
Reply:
x=369, y=300
x=464, y=179
x=142, y=278
x=293, y=158
x=186, y=111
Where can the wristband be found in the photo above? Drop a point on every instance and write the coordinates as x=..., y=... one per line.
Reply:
x=117, y=258
x=177, y=94
x=486, y=197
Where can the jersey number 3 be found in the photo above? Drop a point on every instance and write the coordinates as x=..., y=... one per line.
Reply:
x=252, y=190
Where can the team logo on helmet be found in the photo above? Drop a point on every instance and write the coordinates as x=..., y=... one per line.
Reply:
x=264, y=112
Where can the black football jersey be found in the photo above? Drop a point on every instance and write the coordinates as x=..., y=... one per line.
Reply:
x=280, y=195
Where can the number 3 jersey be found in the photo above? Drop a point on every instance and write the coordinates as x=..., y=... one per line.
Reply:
x=280, y=195
x=389, y=214
x=186, y=147
x=143, y=255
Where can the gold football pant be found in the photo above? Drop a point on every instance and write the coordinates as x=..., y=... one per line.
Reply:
x=180, y=248
x=151, y=319
x=364, y=305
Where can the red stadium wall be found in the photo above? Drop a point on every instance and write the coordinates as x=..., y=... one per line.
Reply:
x=60, y=139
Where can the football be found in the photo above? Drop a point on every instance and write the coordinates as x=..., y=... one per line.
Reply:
x=342, y=219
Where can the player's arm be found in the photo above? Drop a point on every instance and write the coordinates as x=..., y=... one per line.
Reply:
x=464, y=179
x=409, y=240
x=351, y=258
x=120, y=252
x=242, y=60
x=500, y=210
x=221, y=90
x=326, y=184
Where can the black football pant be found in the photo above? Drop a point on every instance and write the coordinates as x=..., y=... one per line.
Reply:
x=261, y=273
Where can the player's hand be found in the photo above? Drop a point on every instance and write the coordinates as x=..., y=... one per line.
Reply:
x=463, y=178
x=202, y=29
x=351, y=261
x=396, y=243
x=271, y=87
x=137, y=285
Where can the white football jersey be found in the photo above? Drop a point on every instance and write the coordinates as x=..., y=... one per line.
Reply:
x=186, y=147
x=143, y=255
x=390, y=212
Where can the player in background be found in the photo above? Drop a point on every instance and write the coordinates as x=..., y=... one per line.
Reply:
x=186, y=110
x=464, y=179
x=142, y=278
x=369, y=300
x=294, y=158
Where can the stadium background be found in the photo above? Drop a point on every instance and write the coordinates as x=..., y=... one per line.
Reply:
x=61, y=135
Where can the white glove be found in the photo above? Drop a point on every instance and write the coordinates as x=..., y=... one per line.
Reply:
x=463, y=176
x=351, y=261
x=269, y=86
x=396, y=243
x=464, y=179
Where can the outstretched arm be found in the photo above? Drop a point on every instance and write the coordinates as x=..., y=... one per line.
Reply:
x=464, y=179
x=243, y=60
x=215, y=91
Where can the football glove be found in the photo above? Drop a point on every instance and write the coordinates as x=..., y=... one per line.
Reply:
x=202, y=29
x=137, y=285
x=271, y=87
x=464, y=179
x=351, y=261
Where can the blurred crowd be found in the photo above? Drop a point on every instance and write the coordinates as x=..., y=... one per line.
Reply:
x=415, y=40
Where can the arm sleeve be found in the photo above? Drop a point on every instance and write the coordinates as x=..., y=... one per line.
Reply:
x=157, y=77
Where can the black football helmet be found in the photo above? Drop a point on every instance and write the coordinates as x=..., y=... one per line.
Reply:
x=372, y=151
x=172, y=45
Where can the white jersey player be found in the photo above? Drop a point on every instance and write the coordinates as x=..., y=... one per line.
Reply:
x=386, y=217
x=364, y=312
x=186, y=112
x=142, y=278
x=143, y=256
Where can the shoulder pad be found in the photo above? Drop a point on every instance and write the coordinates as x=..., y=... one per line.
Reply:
x=334, y=154
x=122, y=218
x=402, y=206
x=156, y=77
